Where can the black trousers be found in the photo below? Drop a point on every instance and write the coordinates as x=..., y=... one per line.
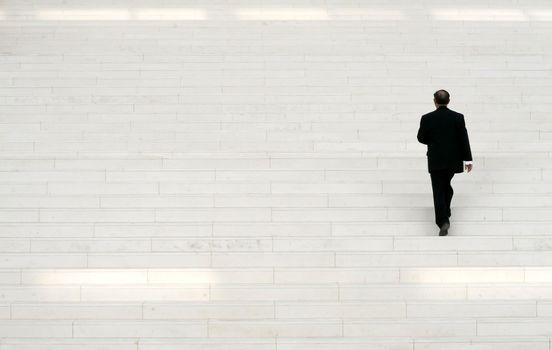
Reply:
x=442, y=194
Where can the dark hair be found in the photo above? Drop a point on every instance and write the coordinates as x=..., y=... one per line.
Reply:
x=442, y=97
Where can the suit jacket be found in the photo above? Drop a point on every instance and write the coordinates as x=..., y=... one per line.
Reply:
x=444, y=132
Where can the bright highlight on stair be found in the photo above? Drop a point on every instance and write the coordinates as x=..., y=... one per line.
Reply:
x=149, y=277
x=288, y=14
x=257, y=14
x=542, y=15
x=479, y=15
x=282, y=14
x=140, y=14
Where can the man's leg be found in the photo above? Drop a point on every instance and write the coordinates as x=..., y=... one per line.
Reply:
x=450, y=193
x=439, y=183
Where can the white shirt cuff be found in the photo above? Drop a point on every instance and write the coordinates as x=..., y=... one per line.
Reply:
x=468, y=162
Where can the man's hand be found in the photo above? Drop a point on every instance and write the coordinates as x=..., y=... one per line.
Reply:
x=468, y=167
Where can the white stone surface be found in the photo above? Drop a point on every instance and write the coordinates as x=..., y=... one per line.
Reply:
x=244, y=175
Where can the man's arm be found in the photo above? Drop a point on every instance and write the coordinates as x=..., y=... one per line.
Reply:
x=466, y=150
x=422, y=132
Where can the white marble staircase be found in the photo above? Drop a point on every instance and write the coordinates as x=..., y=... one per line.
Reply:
x=237, y=175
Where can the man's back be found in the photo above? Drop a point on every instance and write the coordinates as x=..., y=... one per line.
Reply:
x=444, y=132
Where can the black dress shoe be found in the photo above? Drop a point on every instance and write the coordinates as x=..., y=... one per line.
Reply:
x=444, y=229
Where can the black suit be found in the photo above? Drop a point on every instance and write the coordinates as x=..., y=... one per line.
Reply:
x=444, y=132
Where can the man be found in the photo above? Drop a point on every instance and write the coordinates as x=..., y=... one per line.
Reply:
x=448, y=152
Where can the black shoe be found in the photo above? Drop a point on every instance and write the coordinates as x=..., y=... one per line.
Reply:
x=444, y=229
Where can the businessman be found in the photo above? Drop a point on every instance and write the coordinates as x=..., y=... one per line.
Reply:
x=448, y=152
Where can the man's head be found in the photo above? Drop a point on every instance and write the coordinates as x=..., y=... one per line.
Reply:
x=441, y=98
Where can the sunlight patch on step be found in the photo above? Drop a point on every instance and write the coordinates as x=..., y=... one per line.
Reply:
x=242, y=14
x=368, y=14
x=446, y=275
x=119, y=276
x=462, y=14
x=462, y=275
x=317, y=14
x=264, y=14
x=79, y=15
x=286, y=14
x=540, y=15
x=85, y=276
x=139, y=14
x=169, y=14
